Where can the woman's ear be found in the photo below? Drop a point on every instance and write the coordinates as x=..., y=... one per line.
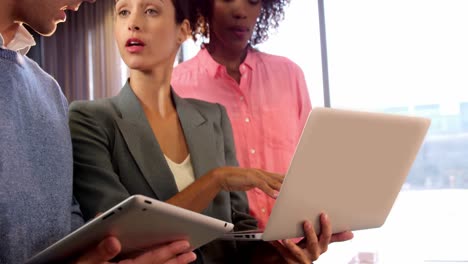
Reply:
x=184, y=31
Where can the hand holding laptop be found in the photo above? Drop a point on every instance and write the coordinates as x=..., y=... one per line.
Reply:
x=312, y=245
x=307, y=250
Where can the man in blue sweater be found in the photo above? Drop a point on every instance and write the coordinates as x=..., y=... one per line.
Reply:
x=36, y=204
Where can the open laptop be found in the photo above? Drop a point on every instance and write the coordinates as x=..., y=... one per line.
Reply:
x=348, y=164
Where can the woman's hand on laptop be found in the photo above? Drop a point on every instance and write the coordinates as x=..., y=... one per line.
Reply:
x=172, y=253
x=311, y=246
x=242, y=179
x=225, y=179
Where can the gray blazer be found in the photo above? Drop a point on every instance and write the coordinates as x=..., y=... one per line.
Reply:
x=116, y=155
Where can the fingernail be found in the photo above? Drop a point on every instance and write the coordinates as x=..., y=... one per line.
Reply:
x=275, y=194
x=110, y=248
x=192, y=257
x=325, y=216
x=183, y=245
x=187, y=257
x=308, y=225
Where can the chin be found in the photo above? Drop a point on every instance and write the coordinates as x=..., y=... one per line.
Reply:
x=239, y=46
x=236, y=44
x=137, y=67
x=46, y=29
x=135, y=63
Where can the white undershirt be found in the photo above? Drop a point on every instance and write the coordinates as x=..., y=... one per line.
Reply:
x=183, y=172
x=21, y=42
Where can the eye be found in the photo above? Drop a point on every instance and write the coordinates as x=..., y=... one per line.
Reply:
x=124, y=13
x=151, y=11
x=254, y=2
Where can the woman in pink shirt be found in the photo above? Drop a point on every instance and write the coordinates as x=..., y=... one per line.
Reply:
x=265, y=95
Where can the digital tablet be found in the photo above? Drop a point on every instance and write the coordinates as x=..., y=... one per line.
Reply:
x=140, y=223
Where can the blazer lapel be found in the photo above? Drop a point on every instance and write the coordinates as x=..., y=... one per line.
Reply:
x=199, y=135
x=143, y=146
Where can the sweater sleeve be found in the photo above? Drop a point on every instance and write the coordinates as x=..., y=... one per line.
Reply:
x=76, y=215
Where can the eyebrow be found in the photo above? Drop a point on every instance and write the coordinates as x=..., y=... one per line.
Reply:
x=162, y=1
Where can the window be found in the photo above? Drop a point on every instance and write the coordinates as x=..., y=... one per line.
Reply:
x=409, y=57
x=298, y=38
x=403, y=57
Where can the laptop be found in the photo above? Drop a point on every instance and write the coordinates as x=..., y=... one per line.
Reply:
x=348, y=164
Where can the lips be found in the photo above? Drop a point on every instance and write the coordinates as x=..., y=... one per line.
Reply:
x=240, y=32
x=239, y=29
x=134, y=45
x=74, y=7
x=134, y=42
x=62, y=16
x=71, y=8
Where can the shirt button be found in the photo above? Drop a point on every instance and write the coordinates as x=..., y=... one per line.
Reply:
x=263, y=210
x=247, y=120
x=243, y=67
x=242, y=98
x=252, y=151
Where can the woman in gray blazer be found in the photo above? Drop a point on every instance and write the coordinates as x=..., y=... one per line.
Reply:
x=147, y=140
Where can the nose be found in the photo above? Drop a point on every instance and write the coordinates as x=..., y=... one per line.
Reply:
x=134, y=23
x=133, y=28
x=239, y=9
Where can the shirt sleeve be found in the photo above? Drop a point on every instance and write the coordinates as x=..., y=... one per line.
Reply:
x=303, y=100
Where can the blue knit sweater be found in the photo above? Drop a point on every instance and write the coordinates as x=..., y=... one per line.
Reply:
x=36, y=205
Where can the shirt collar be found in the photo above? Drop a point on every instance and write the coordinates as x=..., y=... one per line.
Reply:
x=214, y=68
x=21, y=42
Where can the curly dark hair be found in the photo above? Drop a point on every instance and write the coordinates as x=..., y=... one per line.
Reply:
x=271, y=14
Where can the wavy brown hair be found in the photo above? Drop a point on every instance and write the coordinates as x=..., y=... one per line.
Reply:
x=271, y=14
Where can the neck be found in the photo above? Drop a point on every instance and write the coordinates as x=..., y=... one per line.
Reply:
x=153, y=90
x=8, y=27
x=230, y=57
x=9, y=33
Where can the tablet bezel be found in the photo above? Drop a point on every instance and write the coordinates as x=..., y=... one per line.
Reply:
x=139, y=223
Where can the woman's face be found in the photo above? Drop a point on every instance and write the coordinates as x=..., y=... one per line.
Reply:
x=147, y=34
x=233, y=22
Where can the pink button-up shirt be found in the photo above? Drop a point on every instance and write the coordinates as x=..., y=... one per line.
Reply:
x=268, y=110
